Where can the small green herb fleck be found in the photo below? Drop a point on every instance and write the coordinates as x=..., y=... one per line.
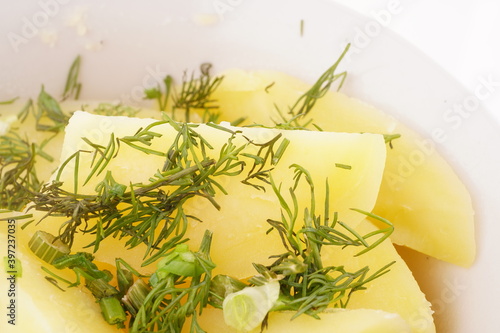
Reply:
x=10, y=101
x=72, y=87
x=197, y=93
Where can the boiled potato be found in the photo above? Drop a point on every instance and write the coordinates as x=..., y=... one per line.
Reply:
x=75, y=310
x=420, y=193
x=245, y=210
x=395, y=292
x=240, y=224
x=335, y=321
x=43, y=308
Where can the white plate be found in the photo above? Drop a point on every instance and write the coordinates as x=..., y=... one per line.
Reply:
x=129, y=46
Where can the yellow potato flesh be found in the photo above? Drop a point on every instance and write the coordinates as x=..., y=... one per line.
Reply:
x=403, y=198
x=420, y=193
x=336, y=321
x=396, y=291
x=241, y=221
x=239, y=228
x=40, y=306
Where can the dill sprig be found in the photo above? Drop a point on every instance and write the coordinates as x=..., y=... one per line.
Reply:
x=17, y=170
x=157, y=94
x=307, y=286
x=151, y=212
x=10, y=101
x=295, y=118
x=97, y=281
x=50, y=111
x=194, y=94
x=388, y=138
x=197, y=93
x=137, y=213
x=18, y=156
x=108, y=109
x=306, y=102
x=177, y=290
x=47, y=111
x=264, y=161
x=72, y=87
x=180, y=289
x=48, y=114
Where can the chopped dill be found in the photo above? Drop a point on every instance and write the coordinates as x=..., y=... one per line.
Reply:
x=17, y=169
x=136, y=211
x=72, y=87
x=307, y=286
x=152, y=212
x=197, y=93
x=194, y=94
x=10, y=101
x=108, y=109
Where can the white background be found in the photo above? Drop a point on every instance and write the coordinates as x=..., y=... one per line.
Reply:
x=462, y=36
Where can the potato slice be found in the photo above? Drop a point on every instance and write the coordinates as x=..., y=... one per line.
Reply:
x=395, y=292
x=40, y=306
x=420, y=192
x=336, y=321
x=245, y=210
x=241, y=223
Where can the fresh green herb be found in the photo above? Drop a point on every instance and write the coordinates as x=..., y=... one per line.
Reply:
x=17, y=170
x=108, y=109
x=96, y=281
x=101, y=158
x=54, y=283
x=307, y=286
x=197, y=93
x=47, y=112
x=112, y=311
x=135, y=296
x=390, y=137
x=18, y=157
x=306, y=102
x=221, y=286
x=150, y=212
x=176, y=296
x=269, y=86
x=55, y=276
x=157, y=94
x=141, y=140
x=246, y=309
x=16, y=214
x=49, y=115
x=82, y=264
x=264, y=161
x=294, y=118
x=27, y=109
x=10, y=101
x=72, y=86
x=210, y=116
x=343, y=166
x=46, y=247
x=238, y=121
